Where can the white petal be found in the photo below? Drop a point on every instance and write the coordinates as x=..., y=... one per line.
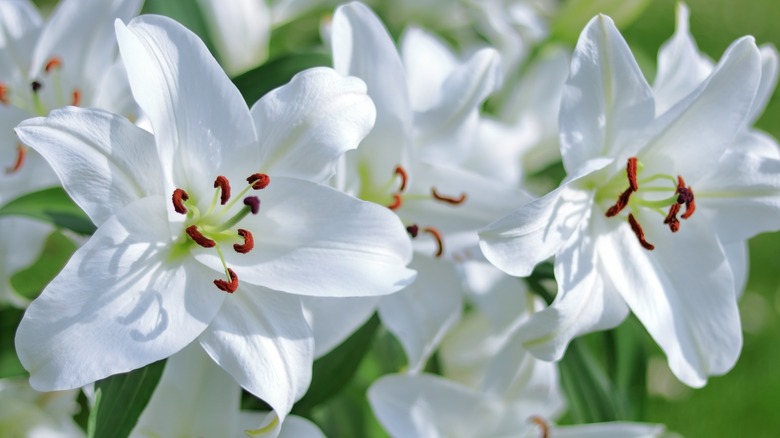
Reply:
x=756, y=142
x=468, y=348
x=363, y=48
x=201, y=123
x=681, y=67
x=737, y=254
x=741, y=197
x=422, y=313
x=194, y=397
x=605, y=98
x=586, y=301
x=430, y=406
x=113, y=94
x=104, y=161
x=445, y=132
x=313, y=240
x=118, y=304
x=682, y=292
x=263, y=340
x=534, y=232
x=299, y=427
x=21, y=242
x=21, y=24
x=306, y=125
x=609, y=430
x=428, y=62
x=81, y=34
x=502, y=298
x=769, y=73
x=240, y=30
x=691, y=136
x=333, y=320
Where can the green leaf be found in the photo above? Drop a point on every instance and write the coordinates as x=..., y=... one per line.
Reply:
x=332, y=372
x=50, y=205
x=9, y=362
x=120, y=400
x=57, y=250
x=255, y=83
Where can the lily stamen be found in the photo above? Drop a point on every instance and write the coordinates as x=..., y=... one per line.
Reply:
x=259, y=181
x=400, y=171
x=397, y=202
x=4, y=95
x=223, y=185
x=54, y=63
x=640, y=234
x=249, y=242
x=542, y=425
x=439, y=240
x=448, y=199
x=178, y=198
x=21, y=153
x=413, y=230
x=76, y=97
x=228, y=286
x=199, y=238
x=621, y=203
x=631, y=173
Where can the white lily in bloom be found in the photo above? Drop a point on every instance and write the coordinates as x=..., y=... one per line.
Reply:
x=622, y=226
x=68, y=59
x=409, y=163
x=490, y=388
x=210, y=229
x=197, y=398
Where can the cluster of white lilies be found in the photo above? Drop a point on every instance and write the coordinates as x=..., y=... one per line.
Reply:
x=242, y=242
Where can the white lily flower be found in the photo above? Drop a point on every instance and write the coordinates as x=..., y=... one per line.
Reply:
x=197, y=398
x=614, y=225
x=427, y=114
x=143, y=287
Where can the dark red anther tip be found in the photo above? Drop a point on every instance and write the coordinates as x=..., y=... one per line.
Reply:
x=199, y=238
x=224, y=186
x=620, y=204
x=542, y=425
x=253, y=202
x=21, y=153
x=439, y=240
x=448, y=199
x=631, y=173
x=259, y=181
x=413, y=230
x=178, y=198
x=400, y=171
x=76, y=98
x=640, y=234
x=227, y=286
x=671, y=218
x=54, y=62
x=249, y=242
x=36, y=86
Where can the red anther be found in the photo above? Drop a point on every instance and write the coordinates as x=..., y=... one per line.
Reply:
x=640, y=234
x=620, y=204
x=36, y=86
x=199, y=238
x=76, y=100
x=224, y=187
x=671, y=218
x=448, y=199
x=227, y=286
x=680, y=183
x=631, y=172
x=54, y=62
x=253, y=202
x=4, y=94
x=400, y=171
x=439, y=240
x=259, y=181
x=686, y=197
x=690, y=206
x=178, y=198
x=542, y=425
x=21, y=153
x=249, y=242
x=397, y=202
x=413, y=230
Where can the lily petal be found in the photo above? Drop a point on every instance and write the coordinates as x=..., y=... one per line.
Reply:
x=263, y=340
x=313, y=240
x=769, y=74
x=306, y=125
x=421, y=314
x=200, y=121
x=605, y=98
x=428, y=62
x=137, y=309
x=20, y=245
x=613, y=429
x=362, y=47
x=21, y=24
x=333, y=320
x=104, y=161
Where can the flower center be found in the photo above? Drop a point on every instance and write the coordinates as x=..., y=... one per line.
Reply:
x=216, y=226
x=644, y=192
x=394, y=194
x=34, y=101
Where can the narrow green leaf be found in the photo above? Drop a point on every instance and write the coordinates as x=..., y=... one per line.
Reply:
x=50, y=205
x=332, y=372
x=255, y=83
x=589, y=391
x=123, y=399
x=57, y=250
x=9, y=362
